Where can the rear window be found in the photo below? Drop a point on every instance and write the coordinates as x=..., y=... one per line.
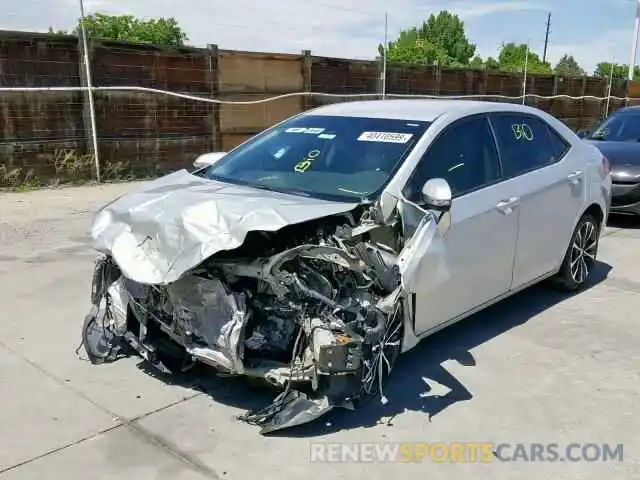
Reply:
x=526, y=143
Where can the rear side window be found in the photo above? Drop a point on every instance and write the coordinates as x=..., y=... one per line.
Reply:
x=526, y=143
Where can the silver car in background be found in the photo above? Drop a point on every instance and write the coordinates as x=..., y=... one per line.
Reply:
x=314, y=253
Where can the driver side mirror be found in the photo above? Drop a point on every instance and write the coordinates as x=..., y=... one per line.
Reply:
x=582, y=133
x=208, y=159
x=436, y=194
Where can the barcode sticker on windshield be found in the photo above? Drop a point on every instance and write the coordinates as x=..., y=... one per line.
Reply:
x=387, y=137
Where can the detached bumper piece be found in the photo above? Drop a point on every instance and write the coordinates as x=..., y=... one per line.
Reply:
x=289, y=409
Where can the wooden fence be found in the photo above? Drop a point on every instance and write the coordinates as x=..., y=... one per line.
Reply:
x=45, y=136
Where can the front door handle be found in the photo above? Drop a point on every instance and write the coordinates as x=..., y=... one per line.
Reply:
x=575, y=177
x=506, y=206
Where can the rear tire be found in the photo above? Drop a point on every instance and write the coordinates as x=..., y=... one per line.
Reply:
x=579, y=260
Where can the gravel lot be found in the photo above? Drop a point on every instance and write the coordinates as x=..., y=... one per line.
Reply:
x=537, y=368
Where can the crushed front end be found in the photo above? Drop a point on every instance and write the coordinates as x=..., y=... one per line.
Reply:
x=316, y=309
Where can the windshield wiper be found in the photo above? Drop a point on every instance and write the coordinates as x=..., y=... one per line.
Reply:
x=278, y=190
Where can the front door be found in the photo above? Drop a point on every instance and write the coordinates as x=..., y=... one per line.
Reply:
x=475, y=256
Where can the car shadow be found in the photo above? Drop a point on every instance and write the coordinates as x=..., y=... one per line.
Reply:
x=419, y=381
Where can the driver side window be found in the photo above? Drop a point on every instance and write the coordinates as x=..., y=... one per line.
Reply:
x=465, y=155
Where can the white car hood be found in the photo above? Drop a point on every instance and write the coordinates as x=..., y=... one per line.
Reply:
x=171, y=225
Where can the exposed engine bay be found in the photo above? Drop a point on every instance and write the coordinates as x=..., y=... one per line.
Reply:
x=317, y=309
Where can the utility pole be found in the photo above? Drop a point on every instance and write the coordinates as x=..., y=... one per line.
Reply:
x=546, y=39
x=386, y=47
x=634, y=44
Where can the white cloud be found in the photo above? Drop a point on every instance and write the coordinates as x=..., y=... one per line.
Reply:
x=342, y=28
x=608, y=46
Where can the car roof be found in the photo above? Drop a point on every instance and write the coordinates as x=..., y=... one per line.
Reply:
x=417, y=109
x=629, y=109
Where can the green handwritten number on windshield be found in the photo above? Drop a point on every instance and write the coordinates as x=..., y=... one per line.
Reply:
x=303, y=165
x=522, y=131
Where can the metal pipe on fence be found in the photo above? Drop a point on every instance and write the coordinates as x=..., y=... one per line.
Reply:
x=634, y=44
x=288, y=95
x=92, y=110
x=384, y=59
x=524, y=81
x=606, y=112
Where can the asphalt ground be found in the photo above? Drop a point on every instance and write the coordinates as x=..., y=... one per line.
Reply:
x=539, y=368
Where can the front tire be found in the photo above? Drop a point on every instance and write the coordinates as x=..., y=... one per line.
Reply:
x=97, y=339
x=383, y=355
x=580, y=259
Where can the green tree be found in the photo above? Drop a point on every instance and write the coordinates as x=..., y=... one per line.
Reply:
x=512, y=58
x=492, y=64
x=568, y=67
x=440, y=39
x=477, y=63
x=160, y=31
x=58, y=32
x=620, y=71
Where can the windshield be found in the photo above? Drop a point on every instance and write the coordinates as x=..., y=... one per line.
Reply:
x=335, y=158
x=619, y=127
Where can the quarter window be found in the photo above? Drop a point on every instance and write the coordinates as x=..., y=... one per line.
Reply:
x=526, y=143
x=560, y=146
x=465, y=155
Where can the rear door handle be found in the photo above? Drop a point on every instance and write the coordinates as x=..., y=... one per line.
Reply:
x=575, y=177
x=506, y=206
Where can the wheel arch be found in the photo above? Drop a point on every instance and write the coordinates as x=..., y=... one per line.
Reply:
x=597, y=211
x=594, y=209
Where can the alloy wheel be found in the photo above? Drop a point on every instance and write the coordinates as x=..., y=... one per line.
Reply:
x=583, y=252
x=383, y=356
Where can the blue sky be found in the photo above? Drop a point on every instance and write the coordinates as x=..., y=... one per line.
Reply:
x=591, y=30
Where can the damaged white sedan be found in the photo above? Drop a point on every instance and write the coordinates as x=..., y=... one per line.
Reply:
x=314, y=253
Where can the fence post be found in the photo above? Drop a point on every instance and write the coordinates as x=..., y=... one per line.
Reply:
x=554, y=92
x=306, y=67
x=532, y=90
x=85, y=48
x=214, y=90
x=437, y=73
x=626, y=93
x=485, y=83
x=469, y=88
x=380, y=71
x=583, y=101
x=607, y=91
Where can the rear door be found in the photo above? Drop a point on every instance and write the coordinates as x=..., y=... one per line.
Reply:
x=550, y=185
x=474, y=258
